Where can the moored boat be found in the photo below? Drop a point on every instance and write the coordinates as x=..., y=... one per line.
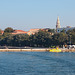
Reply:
x=55, y=50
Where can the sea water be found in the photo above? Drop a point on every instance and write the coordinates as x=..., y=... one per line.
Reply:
x=37, y=63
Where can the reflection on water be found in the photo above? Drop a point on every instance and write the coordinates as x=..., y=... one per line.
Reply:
x=37, y=63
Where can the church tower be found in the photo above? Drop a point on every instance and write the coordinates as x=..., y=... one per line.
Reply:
x=58, y=23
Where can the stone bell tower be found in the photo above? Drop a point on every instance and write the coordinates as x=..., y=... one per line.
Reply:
x=58, y=23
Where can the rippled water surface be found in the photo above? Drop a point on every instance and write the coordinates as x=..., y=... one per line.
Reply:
x=37, y=63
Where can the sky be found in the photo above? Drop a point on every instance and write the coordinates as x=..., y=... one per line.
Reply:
x=30, y=14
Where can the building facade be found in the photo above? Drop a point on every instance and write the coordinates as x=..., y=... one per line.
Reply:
x=65, y=29
x=33, y=31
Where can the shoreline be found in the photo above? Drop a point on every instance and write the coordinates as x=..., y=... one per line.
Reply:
x=34, y=50
x=24, y=50
x=68, y=50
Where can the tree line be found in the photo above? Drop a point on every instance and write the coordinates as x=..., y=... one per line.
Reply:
x=40, y=39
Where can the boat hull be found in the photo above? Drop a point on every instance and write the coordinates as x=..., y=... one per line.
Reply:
x=55, y=50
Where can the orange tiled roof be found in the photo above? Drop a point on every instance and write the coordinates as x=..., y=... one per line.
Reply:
x=19, y=32
x=32, y=31
x=2, y=31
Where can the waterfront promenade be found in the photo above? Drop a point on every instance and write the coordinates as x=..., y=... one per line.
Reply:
x=35, y=50
x=27, y=50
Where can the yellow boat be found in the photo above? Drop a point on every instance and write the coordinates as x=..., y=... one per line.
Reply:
x=55, y=50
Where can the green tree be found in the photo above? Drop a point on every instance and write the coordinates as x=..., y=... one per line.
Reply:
x=41, y=39
x=52, y=30
x=21, y=40
x=72, y=38
x=8, y=30
x=60, y=39
x=0, y=32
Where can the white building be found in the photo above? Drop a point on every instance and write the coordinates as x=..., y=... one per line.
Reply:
x=65, y=29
